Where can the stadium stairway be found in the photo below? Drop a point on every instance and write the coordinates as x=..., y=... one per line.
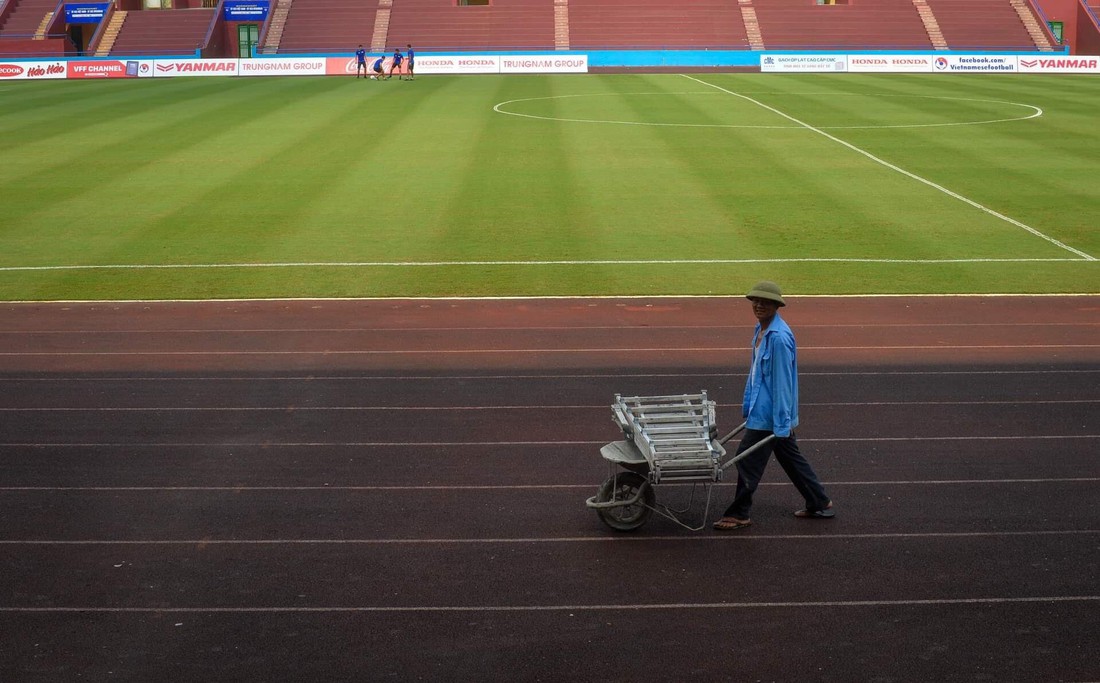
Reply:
x=327, y=26
x=275, y=25
x=984, y=24
x=561, y=24
x=752, y=25
x=26, y=18
x=1031, y=23
x=876, y=24
x=381, y=26
x=931, y=25
x=163, y=32
x=110, y=33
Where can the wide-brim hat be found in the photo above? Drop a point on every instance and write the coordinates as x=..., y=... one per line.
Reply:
x=766, y=290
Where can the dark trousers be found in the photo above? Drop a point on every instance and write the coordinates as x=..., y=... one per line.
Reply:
x=751, y=469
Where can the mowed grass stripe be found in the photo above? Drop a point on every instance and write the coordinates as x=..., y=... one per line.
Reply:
x=90, y=199
x=297, y=170
x=1018, y=168
x=972, y=243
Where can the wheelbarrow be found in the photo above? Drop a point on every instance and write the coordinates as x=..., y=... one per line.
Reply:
x=669, y=439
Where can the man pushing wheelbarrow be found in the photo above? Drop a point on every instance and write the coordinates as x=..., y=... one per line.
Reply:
x=674, y=438
x=770, y=406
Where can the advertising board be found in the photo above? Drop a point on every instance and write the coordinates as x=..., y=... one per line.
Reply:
x=458, y=64
x=194, y=67
x=32, y=70
x=975, y=64
x=347, y=66
x=778, y=63
x=109, y=68
x=890, y=63
x=283, y=66
x=1079, y=64
x=544, y=64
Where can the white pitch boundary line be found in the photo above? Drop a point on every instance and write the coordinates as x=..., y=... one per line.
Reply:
x=898, y=169
x=491, y=444
x=564, y=539
x=562, y=608
x=527, y=328
x=508, y=487
x=555, y=297
x=434, y=409
x=584, y=262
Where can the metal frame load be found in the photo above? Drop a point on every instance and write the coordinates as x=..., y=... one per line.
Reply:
x=668, y=439
x=677, y=435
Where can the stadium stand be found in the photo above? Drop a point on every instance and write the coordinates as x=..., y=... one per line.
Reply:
x=877, y=24
x=24, y=19
x=689, y=24
x=163, y=32
x=504, y=25
x=327, y=25
x=984, y=24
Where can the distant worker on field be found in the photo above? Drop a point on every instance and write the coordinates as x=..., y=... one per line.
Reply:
x=411, y=56
x=360, y=62
x=395, y=65
x=377, y=68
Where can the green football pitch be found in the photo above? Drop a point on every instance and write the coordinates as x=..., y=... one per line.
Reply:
x=613, y=184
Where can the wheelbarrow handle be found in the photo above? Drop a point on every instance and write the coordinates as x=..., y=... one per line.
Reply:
x=748, y=451
x=732, y=434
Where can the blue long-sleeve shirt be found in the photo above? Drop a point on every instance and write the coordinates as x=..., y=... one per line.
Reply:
x=771, y=391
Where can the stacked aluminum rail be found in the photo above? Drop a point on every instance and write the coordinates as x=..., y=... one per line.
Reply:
x=675, y=434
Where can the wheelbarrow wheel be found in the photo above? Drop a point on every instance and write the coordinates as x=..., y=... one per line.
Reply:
x=624, y=486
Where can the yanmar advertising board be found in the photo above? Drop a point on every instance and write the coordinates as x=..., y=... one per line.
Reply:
x=194, y=67
x=282, y=66
x=544, y=64
x=32, y=70
x=890, y=63
x=131, y=68
x=1082, y=64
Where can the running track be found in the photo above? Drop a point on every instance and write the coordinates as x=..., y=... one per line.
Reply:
x=394, y=490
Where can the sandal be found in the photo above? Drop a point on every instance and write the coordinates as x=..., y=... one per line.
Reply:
x=826, y=512
x=731, y=523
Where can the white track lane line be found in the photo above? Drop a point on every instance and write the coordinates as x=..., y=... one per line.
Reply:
x=571, y=608
x=721, y=538
x=517, y=487
x=436, y=409
x=628, y=375
x=535, y=351
x=892, y=167
x=532, y=328
x=501, y=444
